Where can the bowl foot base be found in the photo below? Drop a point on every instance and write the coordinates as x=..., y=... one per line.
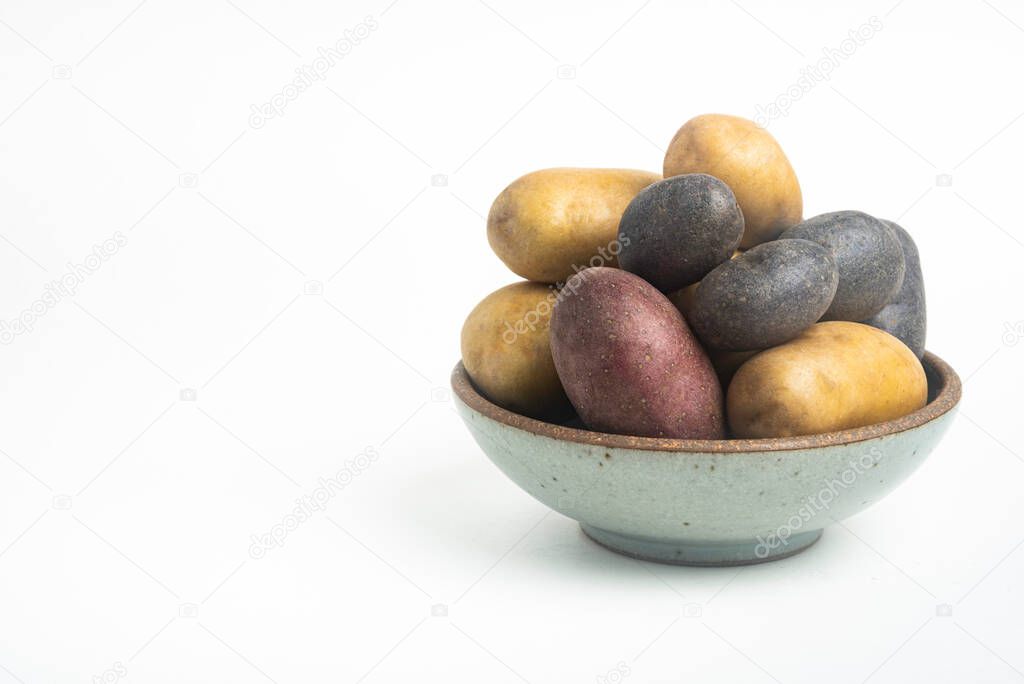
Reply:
x=702, y=554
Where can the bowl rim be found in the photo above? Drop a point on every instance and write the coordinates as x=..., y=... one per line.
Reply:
x=946, y=380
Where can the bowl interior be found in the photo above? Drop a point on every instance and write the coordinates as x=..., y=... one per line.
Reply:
x=943, y=395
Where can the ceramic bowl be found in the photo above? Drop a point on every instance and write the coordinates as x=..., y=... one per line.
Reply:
x=708, y=502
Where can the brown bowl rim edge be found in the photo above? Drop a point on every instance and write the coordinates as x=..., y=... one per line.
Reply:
x=948, y=396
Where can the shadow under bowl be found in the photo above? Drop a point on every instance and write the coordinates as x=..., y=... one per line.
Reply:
x=708, y=502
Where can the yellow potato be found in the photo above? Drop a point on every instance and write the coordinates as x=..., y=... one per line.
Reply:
x=550, y=223
x=507, y=353
x=750, y=162
x=835, y=375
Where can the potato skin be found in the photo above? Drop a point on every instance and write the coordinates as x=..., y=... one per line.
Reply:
x=685, y=298
x=765, y=296
x=629, y=362
x=678, y=229
x=834, y=376
x=868, y=256
x=548, y=222
x=750, y=161
x=507, y=352
x=905, y=316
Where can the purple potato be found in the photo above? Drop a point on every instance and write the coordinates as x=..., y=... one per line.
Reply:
x=868, y=257
x=675, y=231
x=905, y=316
x=765, y=296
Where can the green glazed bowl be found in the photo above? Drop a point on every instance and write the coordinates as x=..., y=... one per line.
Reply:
x=708, y=502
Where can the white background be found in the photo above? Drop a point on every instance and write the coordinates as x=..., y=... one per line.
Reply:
x=126, y=513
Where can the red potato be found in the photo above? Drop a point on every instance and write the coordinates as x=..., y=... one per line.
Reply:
x=629, y=362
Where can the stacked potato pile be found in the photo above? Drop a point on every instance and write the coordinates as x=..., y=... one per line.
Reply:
x=647, y=295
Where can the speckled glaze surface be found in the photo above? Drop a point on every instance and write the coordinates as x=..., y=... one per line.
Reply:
x=708, y=502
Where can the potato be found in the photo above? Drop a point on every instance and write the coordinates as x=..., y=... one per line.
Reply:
x=868, y=256
x=834, y=376
x=684, y=299
x=549, y=224
x=507, y=353
x=765, y=296
x=750, y=162
x=905, y=316
x=629, y=362
x=676, y=230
